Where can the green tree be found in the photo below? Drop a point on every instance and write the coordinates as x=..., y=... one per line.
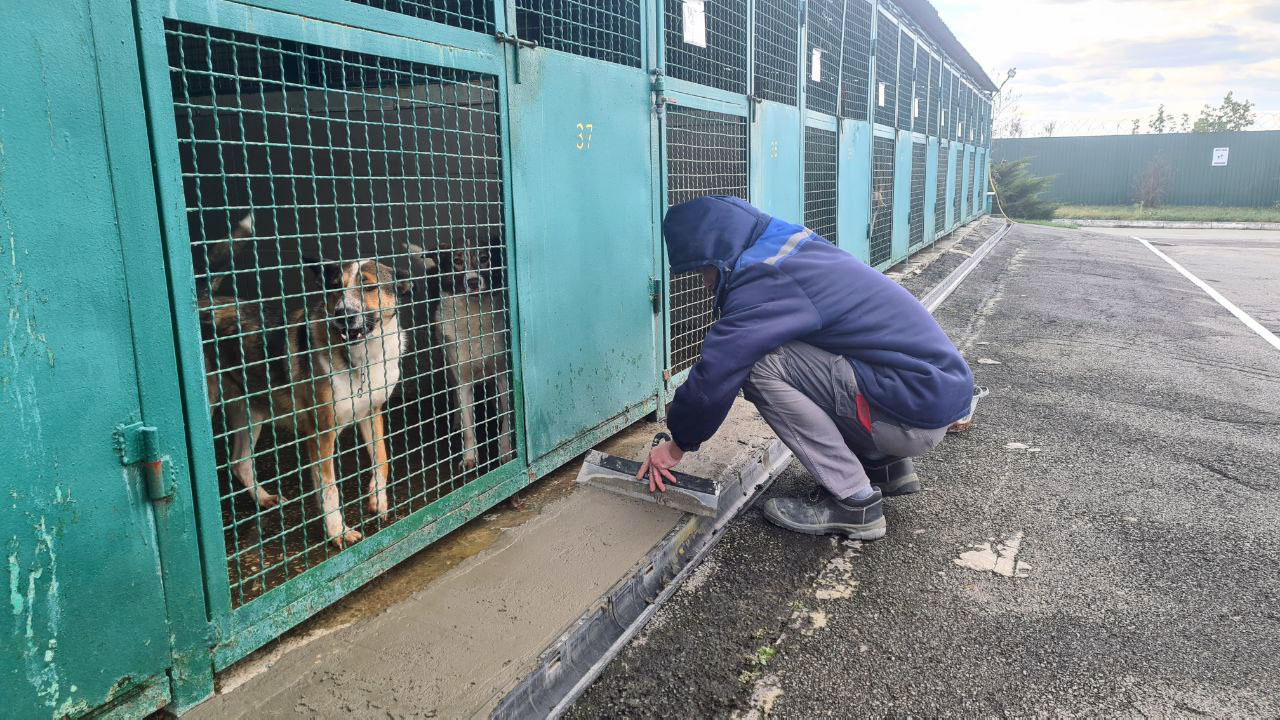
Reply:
x=1232, y=115
x=1160, y=122
x=1018, y=191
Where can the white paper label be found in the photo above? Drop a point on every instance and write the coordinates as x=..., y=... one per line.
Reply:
x=815, y=66
x=1220, y=156
x=695, y=22
x=880, y=100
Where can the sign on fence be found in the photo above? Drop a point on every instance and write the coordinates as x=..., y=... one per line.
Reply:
x=1220, y=156
x=695, y=22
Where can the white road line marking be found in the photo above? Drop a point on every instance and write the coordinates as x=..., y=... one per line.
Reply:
x=1241, y=315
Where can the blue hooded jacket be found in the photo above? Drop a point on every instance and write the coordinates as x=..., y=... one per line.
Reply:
x=780, y=282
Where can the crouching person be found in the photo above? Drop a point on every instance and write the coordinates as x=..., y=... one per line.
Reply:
x=845, y=365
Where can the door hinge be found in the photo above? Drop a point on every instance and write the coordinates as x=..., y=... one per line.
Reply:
x=655, y=294
x=659, y=85
x=516, y=43
x=139, y=444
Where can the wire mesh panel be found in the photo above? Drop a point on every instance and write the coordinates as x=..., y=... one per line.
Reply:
x=976, y=183
x=467, y=14
x=957, y=118
x=931, y=96
x=346, y=221
x=820, y=203
x=822, y=80
x=906, y=81
x=600, y=29
x=716, y=56
x=706, y=155
x=942, y=128
x=855, y=60
x=777, y=42
x=940, y=196
x=886, y=90
x=957, y=208
x=968, y=174
x=882, y=162
x=915, y=220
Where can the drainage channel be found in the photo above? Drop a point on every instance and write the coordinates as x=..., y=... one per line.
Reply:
x=578, y=657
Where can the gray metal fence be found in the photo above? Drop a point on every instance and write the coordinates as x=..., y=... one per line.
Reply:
x=1240, y=169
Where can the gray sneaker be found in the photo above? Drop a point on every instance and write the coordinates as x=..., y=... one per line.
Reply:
x=896, y=476
x=821, y=514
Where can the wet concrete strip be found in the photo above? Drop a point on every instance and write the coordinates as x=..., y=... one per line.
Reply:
x=446, y=632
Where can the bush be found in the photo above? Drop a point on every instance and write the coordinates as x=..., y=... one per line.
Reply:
x=1018, y=191
x=1152, y=186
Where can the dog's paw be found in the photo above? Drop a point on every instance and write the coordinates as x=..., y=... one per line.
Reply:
x=346, y=538
x=378, y=503
x=470, y=460
x=267, y=500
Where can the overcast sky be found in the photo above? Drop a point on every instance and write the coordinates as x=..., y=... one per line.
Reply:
x=1090, y=64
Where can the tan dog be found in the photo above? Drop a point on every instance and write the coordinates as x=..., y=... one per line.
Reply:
x=316, y=370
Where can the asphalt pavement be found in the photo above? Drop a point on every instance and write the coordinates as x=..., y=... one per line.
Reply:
x=1105, y=541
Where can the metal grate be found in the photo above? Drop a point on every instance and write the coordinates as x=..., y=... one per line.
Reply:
x=944, y=104
x=968, y=173
x=777, y=41
x=825, y=22
x=906, y=82
x=957, y=118
x=940, y=195
x=717, y=57
x=820, y=199
x=957, y=207
x=340, y=206
x=915, y=220
x=930, y=85
x=882, y=162
x=601, y=29
x=467, y=14
x=974, y=184
x=706, y=155
x=885, y=93
x=855, y=59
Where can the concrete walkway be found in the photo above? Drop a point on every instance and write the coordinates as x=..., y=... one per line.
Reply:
x=448, y=632
x=1104, y=542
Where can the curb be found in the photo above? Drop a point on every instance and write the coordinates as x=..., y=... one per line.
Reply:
x=1174, y=224
x=578, y=657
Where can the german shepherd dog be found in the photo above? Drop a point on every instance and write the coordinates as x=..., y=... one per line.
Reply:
x=315, y=370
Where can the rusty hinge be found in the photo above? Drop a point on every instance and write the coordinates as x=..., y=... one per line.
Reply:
x=139, y=444
x=655, y=294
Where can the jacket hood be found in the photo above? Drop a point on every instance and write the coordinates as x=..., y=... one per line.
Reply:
x=711, y=231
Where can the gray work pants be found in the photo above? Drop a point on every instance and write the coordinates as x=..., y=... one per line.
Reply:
x=808, y=396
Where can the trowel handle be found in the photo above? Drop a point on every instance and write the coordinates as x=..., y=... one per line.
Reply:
x=660, y=438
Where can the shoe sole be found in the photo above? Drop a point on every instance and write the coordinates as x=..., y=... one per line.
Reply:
x=870, y=531
x=905, y=485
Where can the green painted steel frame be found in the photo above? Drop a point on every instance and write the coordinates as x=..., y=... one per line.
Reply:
x=930, y=192
x=240, y=630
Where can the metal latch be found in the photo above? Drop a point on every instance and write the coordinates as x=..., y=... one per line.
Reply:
x=139, y=444
x=655, y=294
x=516, y=43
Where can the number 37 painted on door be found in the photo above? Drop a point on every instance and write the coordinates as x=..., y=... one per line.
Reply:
x=584, y=135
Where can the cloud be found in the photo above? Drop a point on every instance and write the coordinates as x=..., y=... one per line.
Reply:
x=1047, y=80
x=1219, y=47
x=1267, y=13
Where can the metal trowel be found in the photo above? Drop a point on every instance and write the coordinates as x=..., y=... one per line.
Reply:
x=690, y=493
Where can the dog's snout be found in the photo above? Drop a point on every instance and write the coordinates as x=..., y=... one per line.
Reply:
x=473, y=283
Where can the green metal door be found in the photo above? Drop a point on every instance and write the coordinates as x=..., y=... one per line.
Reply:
x=349, y=135
x=83, y=334
x=583, y=193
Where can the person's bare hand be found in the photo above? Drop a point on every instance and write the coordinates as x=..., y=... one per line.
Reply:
x=662, y=458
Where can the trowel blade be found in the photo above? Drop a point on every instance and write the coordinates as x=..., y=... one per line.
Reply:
x=690, y=493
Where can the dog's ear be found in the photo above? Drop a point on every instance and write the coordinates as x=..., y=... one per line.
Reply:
x=328, y=272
